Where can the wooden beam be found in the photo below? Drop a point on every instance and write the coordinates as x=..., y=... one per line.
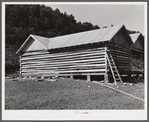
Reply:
x=62, y=52
x=52, y=71
x=66, y=56
x=71, y=76
x=106, y=78
x=88, y=77
x=68, y=53
x=89, y=61
x=66, y=65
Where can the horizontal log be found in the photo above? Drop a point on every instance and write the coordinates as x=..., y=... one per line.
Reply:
x=34, y=52
x=122, y=57
x=116, y=44
x=61, y=62
x=28, y=54
x=47, y=65
x=58, y=70
x=119, y=44
x=122, y=61
x=65, y=62
x=60, y=74
x=66, y=57
x=64, y=51
x=118, y=51
x=119, y=48
x=120, y=54
x=57, y=66
x=65, y=54
x=72, y=71
x=66, y=69
x=123, y=65
x=123, y=68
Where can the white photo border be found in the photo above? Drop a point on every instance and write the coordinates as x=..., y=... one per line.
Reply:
x=70, y=114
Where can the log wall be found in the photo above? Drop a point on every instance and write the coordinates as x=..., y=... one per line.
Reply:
x=82, y=60
x=76, y=61
x=121, y=56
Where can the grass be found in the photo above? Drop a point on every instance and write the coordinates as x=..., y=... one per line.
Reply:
x=136, y=89
x=65, y=94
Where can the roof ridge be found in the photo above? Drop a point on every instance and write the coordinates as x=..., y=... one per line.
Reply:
x=79, y=32
x=120, y=25
x=39, y=36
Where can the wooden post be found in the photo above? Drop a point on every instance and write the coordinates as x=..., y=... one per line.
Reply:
x=129, y=76
x=106, y=66
x=143, y=75
x=106, y=77
x=88, y=78
x=137, y=75
x=30, y=77
x=71, y=76
x=116, y=62
x=20, y=74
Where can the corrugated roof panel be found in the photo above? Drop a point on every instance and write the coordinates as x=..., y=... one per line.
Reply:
x=134, y=36
x=92, y=36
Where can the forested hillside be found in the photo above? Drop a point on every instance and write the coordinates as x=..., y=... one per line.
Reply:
x=23, y=20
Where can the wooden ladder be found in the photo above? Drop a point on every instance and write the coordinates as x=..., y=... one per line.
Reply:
x=113, y=68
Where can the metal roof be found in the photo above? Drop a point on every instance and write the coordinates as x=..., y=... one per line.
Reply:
x=88, y=37
x=134, y=36
x=98, y=35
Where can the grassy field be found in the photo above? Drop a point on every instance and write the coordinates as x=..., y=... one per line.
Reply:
x=67, y=94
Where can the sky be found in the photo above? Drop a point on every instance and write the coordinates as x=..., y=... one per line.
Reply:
x=131, y=15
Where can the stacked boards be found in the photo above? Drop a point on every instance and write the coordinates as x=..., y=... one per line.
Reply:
x=82, y=60
x=121, y=56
